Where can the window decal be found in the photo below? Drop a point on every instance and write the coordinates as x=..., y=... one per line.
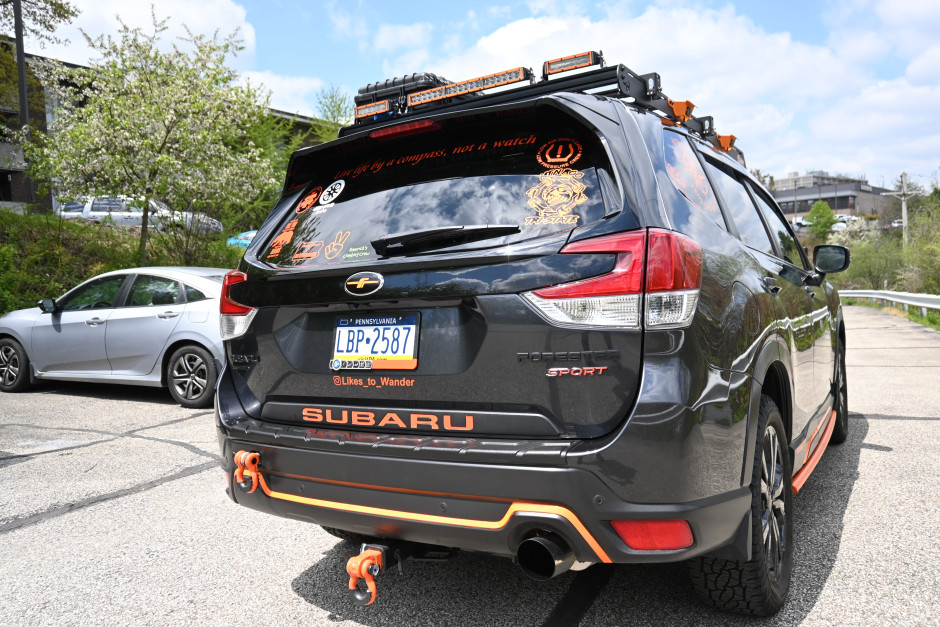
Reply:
x=557, y=193
x=559, y=153
x=335, y=247
x=310, y=199
x=285, y=237
x=331, y=192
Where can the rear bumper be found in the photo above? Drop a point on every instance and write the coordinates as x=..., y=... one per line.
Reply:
x=473, y=506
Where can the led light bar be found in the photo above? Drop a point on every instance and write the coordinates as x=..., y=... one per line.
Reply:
x=572, y=62
x=375, y=108
x=469, y=86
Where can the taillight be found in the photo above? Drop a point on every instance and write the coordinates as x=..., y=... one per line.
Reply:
x=235, y=317
x=663, y=265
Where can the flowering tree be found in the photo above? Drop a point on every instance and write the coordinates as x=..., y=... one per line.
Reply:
x=40, y=17
x=149, y=124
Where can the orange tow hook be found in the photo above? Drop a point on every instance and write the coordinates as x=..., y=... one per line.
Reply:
x=366, y=566
x=247, y=464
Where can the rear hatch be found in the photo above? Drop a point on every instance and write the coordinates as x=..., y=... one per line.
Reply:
x=393, y=291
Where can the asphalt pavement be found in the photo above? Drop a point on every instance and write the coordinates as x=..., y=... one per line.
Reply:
x=112, y=511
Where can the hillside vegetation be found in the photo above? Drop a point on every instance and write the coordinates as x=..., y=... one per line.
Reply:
x=42, y=256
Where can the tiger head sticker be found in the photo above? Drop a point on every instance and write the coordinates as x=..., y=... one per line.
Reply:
x=558, y=192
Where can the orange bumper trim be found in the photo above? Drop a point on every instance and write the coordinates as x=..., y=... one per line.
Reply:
x=517, y=507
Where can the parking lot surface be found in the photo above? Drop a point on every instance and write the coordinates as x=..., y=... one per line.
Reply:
x=112, y=511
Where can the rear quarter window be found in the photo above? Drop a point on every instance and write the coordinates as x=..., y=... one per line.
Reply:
x=542, y=173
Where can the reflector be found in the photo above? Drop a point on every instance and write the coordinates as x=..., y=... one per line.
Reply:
x=654, y=535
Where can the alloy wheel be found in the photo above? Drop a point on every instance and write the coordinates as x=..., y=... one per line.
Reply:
x=773, y=505
x=9, y=366
x=190, y=376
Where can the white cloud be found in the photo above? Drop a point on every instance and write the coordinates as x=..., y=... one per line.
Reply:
x=773, y=92
x=293, y=94
x=391, y=37
x=925, y=69
x=100, y=17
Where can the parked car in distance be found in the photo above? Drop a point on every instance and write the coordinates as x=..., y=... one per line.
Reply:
x=897, y=223
x=71, y=209
x=242, y=239
x=142, y=326
x=128, y=212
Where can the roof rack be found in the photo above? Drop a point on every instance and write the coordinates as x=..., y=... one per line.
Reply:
x=394, y=99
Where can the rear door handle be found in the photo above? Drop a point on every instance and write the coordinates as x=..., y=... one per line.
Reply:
x=810, y=291
x=93, y=322
x=168, y=314
x=770, y=284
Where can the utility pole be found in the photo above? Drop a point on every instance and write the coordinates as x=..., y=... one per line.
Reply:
x=903, y=194
x=21, y=70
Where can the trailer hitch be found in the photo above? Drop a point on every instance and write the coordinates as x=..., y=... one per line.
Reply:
x=366, y=565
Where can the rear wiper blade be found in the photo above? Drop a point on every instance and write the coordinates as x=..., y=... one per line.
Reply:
x=438, y=237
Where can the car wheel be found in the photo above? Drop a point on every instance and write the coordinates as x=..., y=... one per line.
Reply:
x=758, y=586
x=191, y=376
x=841, y=430
x=14, y=366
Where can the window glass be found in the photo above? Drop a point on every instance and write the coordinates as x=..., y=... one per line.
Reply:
x=789, y=247
x=192, y=294
x=99, y=294
x=686, y=173
x=107, y=204
x=540, y=173
x=153, y=290
x=740, y=209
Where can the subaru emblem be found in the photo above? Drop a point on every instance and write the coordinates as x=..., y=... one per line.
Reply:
x=364, y=283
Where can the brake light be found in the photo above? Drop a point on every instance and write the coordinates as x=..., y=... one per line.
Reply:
x=661, y=265
x=654, y=535
x=227, y=306
x=235, y=317
x=407, y=128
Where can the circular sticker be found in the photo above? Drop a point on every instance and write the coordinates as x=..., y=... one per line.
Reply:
x=559, y=153
x=331, y=192
x=310, y=199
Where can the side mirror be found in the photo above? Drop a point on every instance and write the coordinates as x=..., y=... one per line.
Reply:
x=47, y=305
x=828, y=259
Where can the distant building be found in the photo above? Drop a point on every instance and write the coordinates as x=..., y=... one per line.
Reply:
x=854, y=196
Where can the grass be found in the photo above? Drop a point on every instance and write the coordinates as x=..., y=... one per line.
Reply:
x=42, y=256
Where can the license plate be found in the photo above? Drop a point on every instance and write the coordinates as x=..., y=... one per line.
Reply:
x=376, y=343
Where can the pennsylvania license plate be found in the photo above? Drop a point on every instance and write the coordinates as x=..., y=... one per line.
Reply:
x=376, y=343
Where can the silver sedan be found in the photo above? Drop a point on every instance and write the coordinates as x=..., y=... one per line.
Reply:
x=141, y=326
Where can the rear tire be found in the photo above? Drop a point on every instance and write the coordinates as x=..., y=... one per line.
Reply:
x=14, y=366
x=758, y=586
x=841, y=430
x=191, y=376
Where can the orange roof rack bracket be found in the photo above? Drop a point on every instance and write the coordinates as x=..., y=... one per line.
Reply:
x=681, y=109
x=725, y=142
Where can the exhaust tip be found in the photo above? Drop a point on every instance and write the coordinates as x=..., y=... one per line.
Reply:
x=544, y=556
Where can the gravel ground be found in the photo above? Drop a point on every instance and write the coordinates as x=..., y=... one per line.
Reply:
x=112, y=511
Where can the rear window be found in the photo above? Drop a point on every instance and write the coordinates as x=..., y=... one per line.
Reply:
x=540, y=173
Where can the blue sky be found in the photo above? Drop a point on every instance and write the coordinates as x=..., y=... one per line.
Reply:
x=847, y=86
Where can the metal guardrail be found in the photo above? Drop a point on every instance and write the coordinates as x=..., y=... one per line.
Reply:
x=906, y=299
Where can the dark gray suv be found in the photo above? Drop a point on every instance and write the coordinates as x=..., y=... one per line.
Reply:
x=560, y=322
